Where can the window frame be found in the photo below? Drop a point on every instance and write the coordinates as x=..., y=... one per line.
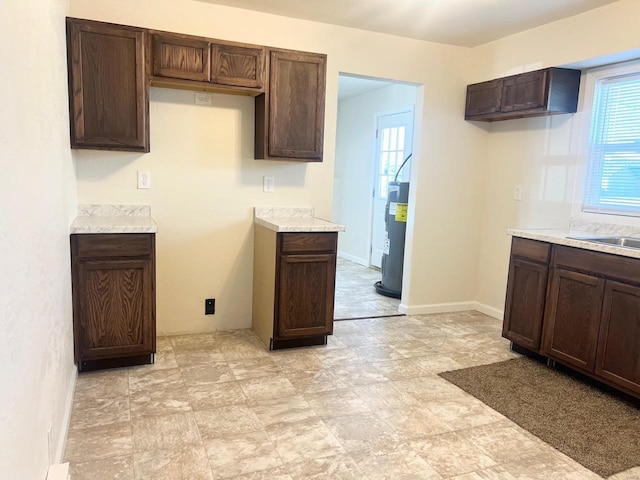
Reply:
x=593, y=79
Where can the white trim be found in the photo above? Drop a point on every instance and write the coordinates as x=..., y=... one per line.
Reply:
x=490, y=311
x=58, y=472
x=450, y=307
x=353, y=258
x=64, y=429
x=437, y=308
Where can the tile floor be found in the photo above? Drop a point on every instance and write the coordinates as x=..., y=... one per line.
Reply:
x=368, y=405
x=355, y=295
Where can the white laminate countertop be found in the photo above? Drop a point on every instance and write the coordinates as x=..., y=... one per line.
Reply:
x=113, y=219
x=562, y=237
x=293, y=219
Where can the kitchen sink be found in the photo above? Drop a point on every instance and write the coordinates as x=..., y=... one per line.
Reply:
x=628, y=242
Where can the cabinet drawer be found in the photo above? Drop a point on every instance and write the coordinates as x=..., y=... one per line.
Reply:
x=308, y=242
x=112, y=245
x=530, y=249
x=598, y=264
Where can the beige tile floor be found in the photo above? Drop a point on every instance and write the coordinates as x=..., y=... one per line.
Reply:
x=368, y=405
x=355, y=295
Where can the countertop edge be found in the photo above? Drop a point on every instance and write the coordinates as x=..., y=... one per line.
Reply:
x=559, y=237
x=276, y=224
x=94, y=230
x=112, y=224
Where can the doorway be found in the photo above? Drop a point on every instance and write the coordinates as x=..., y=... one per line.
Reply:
x=365, y=164
x=394, y=139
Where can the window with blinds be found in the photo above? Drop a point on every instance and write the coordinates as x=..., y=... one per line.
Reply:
x=613, y=170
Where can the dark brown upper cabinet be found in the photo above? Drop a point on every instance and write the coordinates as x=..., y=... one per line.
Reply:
x=290, y=115
x=207, y=61
x=237, y=65
x=484, y=98
x=108, y=91
x=112, y=66
x=178, y=56
x=549, y=91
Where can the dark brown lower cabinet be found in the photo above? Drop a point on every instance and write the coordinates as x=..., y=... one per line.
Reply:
x=573, y=319
x=293, y=287
x=526, y=292
x=618, y=358
x=305, y=295
x=525, y=303
x=113, y=299
x=591, y=309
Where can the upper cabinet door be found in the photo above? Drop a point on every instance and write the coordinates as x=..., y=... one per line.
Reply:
x=526, y=91
x=177, y=56
x=108, y=92
x=237, y=66
x=483, y=98
x=296, y=105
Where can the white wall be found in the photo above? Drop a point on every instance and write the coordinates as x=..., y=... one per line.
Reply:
x=37, y=202
x=541, y=154
x=355, y=163
x=205, y=181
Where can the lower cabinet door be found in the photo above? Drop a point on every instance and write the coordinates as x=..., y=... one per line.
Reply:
x=572, y=318
x=116, y=309
x=524, y=309
x=618, y=358
x=305, y=295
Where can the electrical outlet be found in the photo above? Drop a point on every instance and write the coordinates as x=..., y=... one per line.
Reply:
x=210, y=306
x=203, y=98
x=144, y=179
x=268, y=183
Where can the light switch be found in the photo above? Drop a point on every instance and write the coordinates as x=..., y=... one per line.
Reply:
x=517, y=192
x=268, y=184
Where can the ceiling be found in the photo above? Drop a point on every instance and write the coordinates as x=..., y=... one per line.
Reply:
x=458, y=22
x=349, y=86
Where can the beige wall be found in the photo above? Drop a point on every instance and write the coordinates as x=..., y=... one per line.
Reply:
x=205, y=181
x=37, y=203
x=541, y=154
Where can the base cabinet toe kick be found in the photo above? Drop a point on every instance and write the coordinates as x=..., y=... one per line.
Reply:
x=577, y=307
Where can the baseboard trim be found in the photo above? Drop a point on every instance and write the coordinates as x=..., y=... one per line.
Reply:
x=491, y=311
x=437, y=308
x=450, y=307
x=58, y=472
x=353, y=258
x=62, y=435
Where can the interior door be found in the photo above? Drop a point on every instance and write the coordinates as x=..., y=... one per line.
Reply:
x=394, y=137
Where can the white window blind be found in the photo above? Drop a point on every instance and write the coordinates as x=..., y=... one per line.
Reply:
x=613, y=170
